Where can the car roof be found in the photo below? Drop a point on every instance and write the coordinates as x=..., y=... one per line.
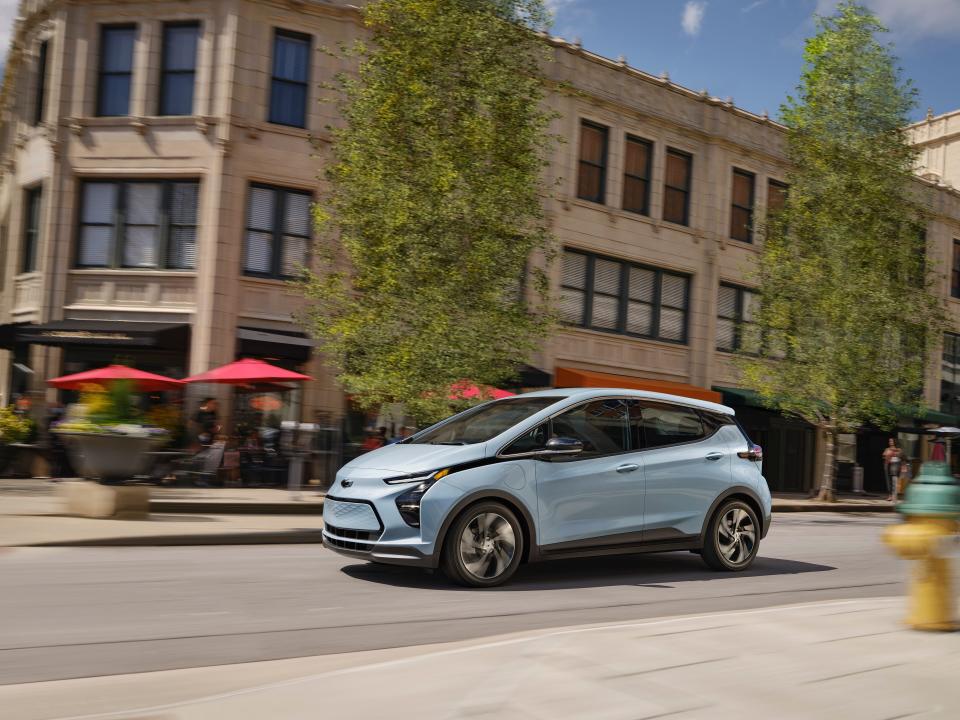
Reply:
x=587, y=393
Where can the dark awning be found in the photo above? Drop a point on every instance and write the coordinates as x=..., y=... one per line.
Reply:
x=116, y=333
x=253, y=342
x=741, y=396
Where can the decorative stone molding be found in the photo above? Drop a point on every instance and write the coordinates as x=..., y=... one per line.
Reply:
x=75, y=125
x=139, y=124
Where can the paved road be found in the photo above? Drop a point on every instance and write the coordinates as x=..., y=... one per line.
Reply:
x=80, y=612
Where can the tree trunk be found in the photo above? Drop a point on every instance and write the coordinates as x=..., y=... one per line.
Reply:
x=826, y=493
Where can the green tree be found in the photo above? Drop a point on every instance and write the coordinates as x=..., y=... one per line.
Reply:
x=848, y=305
x=435, y=203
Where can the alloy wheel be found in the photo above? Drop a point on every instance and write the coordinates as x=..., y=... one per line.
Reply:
x=736, y=536
x=487, y=545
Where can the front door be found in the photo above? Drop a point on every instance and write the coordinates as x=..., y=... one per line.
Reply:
x=686, y=466
x=596, y=497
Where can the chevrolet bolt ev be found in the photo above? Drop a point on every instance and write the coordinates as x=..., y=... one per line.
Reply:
x=555, y=474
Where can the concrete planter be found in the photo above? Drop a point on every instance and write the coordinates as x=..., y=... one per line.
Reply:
x=93, y=500
x=110, y=458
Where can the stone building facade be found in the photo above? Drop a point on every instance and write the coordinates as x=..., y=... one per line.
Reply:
x=158, y=159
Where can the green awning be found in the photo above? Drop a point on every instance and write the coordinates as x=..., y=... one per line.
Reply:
x=741, y=396
x=751, y=398
x=937, y=417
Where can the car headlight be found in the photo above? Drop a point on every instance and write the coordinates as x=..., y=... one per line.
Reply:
x=409, y=502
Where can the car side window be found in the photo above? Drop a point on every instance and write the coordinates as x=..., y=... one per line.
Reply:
x=530, y=441
x=660, y=424
x=601, y=426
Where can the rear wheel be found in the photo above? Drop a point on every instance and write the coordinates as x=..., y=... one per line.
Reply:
x=484, y=546
x=733, y=537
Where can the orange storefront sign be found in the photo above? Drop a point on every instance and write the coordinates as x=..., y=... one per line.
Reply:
x=572, y=377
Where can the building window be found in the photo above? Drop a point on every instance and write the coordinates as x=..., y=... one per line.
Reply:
x=955, y=270
x=138, y=224
x=31, y=229
x=278, y=231
x=178, y=68
x=950, y=375
x=592, y=176
x=291, y=72
x=676, y=187
x=116, y=69
x=741, y=206
x=40, y=99
x=776, y=196
x=621, y=297
x=636, y=175
x=736, y=331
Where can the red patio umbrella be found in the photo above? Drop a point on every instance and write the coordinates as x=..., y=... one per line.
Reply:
x=467, y=391
x=145, y=381
x=248, y=372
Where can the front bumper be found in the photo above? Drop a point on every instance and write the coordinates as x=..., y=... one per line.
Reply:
x=373, y=531
x=390, y=555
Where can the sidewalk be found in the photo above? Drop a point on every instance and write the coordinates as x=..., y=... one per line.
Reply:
x=846, y=659
x=30, y=515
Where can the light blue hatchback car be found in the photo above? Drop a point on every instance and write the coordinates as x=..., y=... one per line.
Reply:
x=555, y=474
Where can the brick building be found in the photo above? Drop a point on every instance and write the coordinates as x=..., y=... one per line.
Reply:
x=159, y=159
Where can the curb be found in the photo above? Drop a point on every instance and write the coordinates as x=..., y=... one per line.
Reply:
x=282, y=537
x=837, y=507
x=213, y=507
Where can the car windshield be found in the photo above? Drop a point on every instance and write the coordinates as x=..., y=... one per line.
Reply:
x=482, y=423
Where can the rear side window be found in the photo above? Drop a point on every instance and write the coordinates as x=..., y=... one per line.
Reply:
x=601, y=426
x=659, y=425
x=714, y=421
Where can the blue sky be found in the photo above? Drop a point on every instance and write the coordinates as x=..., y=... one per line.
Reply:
x=751, y=50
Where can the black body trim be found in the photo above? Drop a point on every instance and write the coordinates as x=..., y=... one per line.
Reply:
x=525, y=517
x=725, y=495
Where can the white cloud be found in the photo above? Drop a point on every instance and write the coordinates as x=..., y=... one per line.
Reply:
x=692, y=17
x=8, y=11
x=753, y=6
x=911, y=20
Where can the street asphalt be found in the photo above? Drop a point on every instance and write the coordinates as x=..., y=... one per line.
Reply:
x=85, y=612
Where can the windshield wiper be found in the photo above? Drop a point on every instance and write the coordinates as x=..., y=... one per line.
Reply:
x=450, y=442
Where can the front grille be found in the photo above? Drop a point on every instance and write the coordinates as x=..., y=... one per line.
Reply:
x=347, y=534
x=347, y=539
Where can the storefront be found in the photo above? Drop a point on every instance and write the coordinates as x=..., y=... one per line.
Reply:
x=789, y=444
x=160, y=348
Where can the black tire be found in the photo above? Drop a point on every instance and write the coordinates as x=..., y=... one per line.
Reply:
x=733, y=537
x=476, y=550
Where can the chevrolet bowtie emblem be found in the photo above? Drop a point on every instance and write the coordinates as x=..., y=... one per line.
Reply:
x=346, y=483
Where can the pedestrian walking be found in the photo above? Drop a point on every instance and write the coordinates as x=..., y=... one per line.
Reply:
x=206, y=420
x=892, y=459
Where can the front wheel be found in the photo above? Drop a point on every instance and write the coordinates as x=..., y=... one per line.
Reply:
x=484, y=546
x=733, y=537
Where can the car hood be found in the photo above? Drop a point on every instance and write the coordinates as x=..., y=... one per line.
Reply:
x=408, y=458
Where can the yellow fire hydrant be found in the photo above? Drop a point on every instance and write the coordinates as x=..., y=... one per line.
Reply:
x=932, y=508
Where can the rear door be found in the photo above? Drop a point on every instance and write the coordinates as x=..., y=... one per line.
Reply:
x=595, y=497
x=686, y=466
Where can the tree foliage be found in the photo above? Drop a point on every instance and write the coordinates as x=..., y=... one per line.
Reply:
x=848, y=304
x=435, y=203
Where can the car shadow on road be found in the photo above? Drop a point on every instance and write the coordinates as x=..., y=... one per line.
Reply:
x=654, y=571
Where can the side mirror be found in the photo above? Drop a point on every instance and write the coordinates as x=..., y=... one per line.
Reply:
x=562, y=446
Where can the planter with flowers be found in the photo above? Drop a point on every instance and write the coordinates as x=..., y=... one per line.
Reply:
x=106, y=436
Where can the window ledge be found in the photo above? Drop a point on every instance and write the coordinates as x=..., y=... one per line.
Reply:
x=268, y=281
x=674, y=344
x=616, y=213
x=140, y=124
x=133, y=272
x=23, y=277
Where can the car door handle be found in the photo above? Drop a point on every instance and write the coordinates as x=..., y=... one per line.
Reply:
x=629, y=467
x=714, y=455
